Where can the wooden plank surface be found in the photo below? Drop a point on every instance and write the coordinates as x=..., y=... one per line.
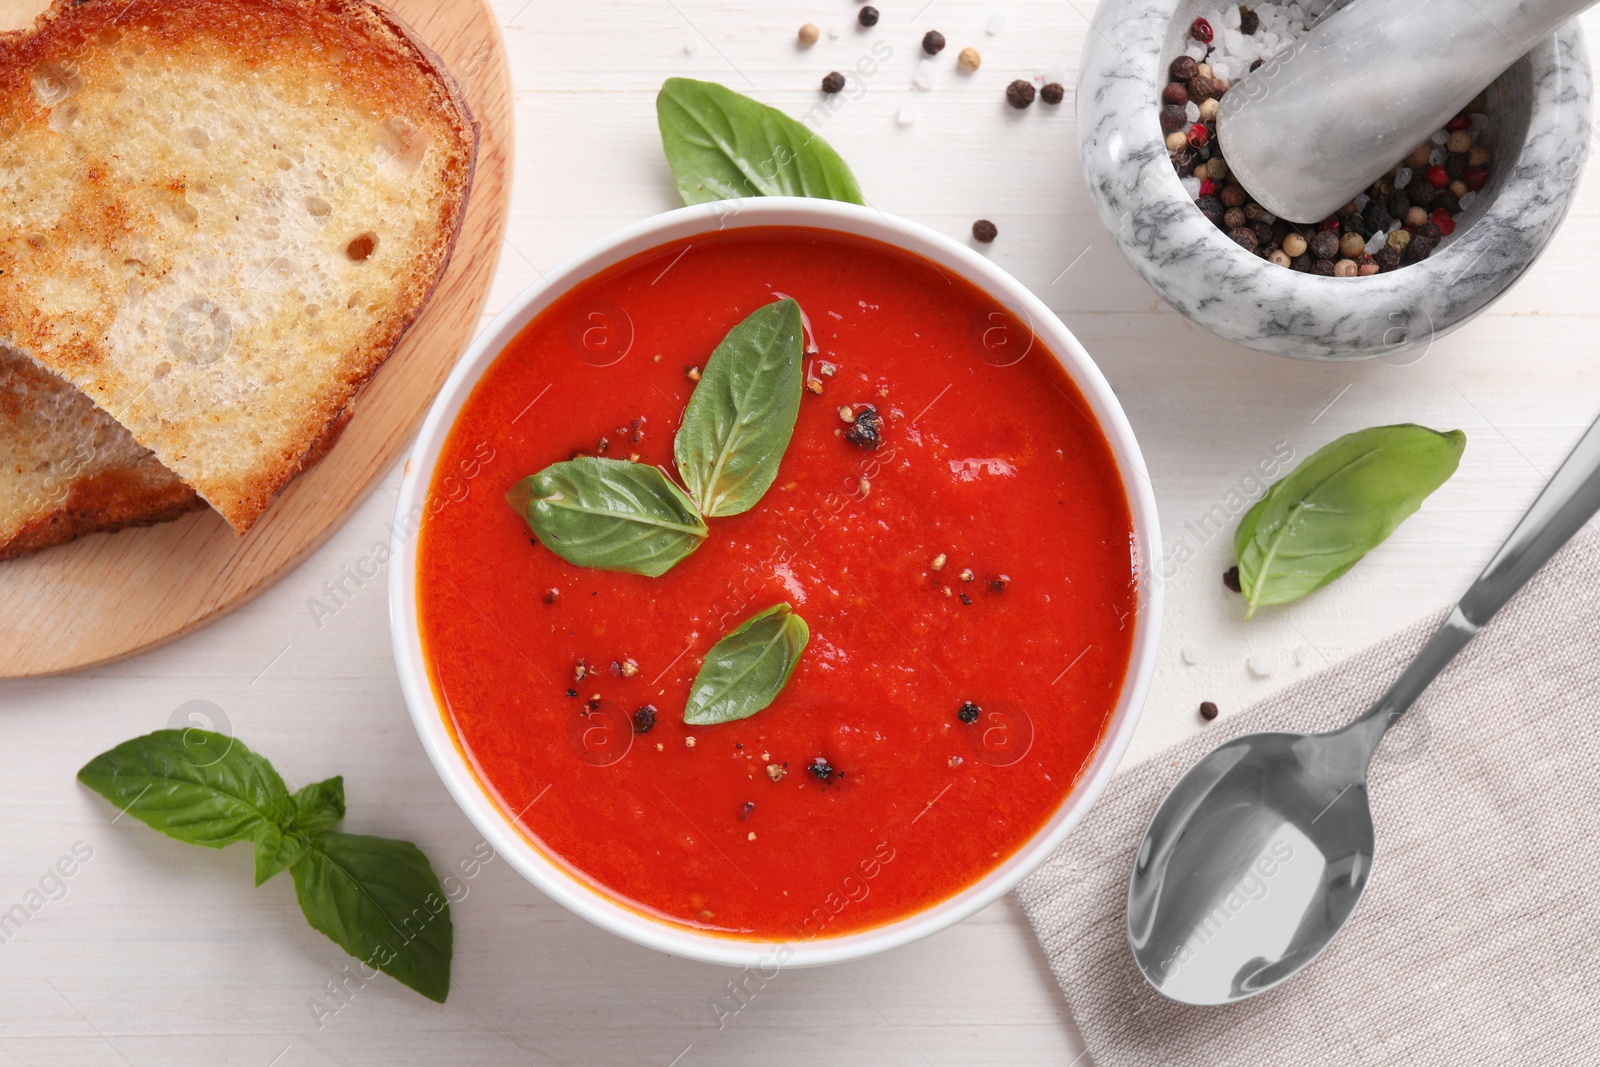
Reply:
x=109, y=596
x=164, y=954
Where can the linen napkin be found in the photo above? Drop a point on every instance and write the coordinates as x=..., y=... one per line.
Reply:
x=1478, y=937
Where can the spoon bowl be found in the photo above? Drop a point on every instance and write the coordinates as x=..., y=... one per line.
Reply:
x=1251, y=865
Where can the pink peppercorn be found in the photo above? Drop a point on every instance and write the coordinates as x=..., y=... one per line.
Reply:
x=1437, y=177
x=1199, y=136
x=1201, y=31
x=1441, y=218
x=1208, y=188
x=1460, y=122
x=1476, y=178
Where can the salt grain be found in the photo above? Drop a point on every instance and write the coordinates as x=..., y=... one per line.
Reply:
x=923, y=78
x=1402, y=177
x=997, y=22
x=1191, y=111
x=1262, y=664
x=1191, y=185
x=1439, y=136
x=1376, y=242
x=1468, y=199
x=1436, y=157
x=1190, y=654
x=906, y=116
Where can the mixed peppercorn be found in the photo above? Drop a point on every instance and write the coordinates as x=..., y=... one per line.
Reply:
x=1399, y=220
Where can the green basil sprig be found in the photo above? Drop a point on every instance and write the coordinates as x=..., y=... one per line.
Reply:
x=742, y=414
x=1342, y=502
x=610, y=514
x=623, y=516
x=722, y=145
x=745, y=671
x=377, y=899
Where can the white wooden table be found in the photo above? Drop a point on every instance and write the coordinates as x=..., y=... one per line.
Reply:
x=160, y=953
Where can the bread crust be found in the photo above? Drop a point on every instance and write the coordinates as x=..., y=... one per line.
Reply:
x=99, y=480
x=381, y=62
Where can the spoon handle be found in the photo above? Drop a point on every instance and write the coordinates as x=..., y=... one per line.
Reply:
x=1569, y=500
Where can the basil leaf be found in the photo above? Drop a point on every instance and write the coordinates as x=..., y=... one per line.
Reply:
x=722, y=145
x=745, y=671
x=1334, y=508
x=610, y=514
x=311, y=810
x=319, y=807
x=197, y=786
x=379, y=900
x=741, y=416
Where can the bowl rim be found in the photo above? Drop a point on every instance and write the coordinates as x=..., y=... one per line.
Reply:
x=551, y=875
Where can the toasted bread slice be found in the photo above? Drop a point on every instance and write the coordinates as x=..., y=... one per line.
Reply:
x=67, y=468
x=218, y=217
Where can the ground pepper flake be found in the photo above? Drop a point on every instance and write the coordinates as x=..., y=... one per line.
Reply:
x=969, y=713
x=1230, y=578
x=644, y=720
x=821, y=770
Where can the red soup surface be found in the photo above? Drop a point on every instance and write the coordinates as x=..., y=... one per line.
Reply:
x=981, y=554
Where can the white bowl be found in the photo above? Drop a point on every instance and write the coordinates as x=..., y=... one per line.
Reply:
x=550, y=875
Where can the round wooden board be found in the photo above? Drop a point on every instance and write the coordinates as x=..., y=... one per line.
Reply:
x=108, y=596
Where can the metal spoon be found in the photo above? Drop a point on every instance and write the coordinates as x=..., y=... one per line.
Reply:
x=1255, y=860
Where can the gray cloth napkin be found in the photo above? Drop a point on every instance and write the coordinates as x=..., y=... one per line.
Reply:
x=1478, y=938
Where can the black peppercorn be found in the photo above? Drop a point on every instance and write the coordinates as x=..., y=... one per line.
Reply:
x=1346, y=212
x=1233, y=218
x=1254, y=63
x=1280, y=230
x=1019, y=94
x=1183, y=68
x=1325, y=245
x=1173, y=116
x=1175, y=93
x=644, y=719
x=1233, y=195
x=1455, y=165
x=868, y=16
x=985, y=231
x=1211, y=208
x=1230, y=578
x=1053, y=93
x=1447, y=200
x=1375, y=216
x=1420, y=248
x=1263, y=233
x=1185, y=161
x=1249, y=21
x=1301, y=263
x=933, y=42
x=832, y=82
x=1422, y=194
x=821, y=769
x=1208, y=710
x=1323, y=267
x=1430, y=230
x=1245, y=239
x=969, y=712
x=867, y=431
x=1386, y=258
